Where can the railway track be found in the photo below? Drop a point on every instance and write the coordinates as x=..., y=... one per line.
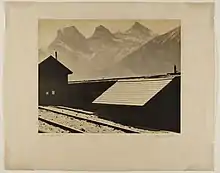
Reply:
x=75, y=110
x=79, y=121
x=62, y=126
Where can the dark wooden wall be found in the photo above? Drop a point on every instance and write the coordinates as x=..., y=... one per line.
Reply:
x=57, y=83
x=81, y=95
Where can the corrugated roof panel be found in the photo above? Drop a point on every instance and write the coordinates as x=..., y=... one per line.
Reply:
x=134, y=92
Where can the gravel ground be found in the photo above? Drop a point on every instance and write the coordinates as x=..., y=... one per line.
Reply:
x=76, y=123
x=83, y=125
x=95, y=117
x=49, y=128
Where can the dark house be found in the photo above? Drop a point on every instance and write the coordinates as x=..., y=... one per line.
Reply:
x=53, y=81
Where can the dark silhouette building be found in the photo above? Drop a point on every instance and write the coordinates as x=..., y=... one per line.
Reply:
x=159, y=110
x=144, y=102
x=53, y=81
x=149, y=103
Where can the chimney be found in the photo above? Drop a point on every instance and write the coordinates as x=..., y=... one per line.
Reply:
x=56, y=55
x=174, y=68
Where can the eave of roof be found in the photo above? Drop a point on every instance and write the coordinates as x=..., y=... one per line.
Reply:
x=152, y=77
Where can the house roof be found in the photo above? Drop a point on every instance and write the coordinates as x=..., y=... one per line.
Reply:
x=135, y=92
x=52, y=65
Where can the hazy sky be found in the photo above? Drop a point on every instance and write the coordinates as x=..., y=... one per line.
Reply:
x=47, y=28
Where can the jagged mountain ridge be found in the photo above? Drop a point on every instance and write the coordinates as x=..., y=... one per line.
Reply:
x=107, y=54
x=109, y=48
x=137, y=32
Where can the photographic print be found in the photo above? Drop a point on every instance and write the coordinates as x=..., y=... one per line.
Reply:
x=109, y=76
x=133, y=88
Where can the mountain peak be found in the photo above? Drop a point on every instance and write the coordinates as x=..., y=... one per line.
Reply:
x=138, y=27
x=101, y=27
x=69, y=32
x=140, y=31
x=102, y=32
x=71, y=38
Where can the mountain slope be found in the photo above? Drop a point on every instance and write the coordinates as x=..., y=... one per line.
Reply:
x=159, y=55
x=137, y=33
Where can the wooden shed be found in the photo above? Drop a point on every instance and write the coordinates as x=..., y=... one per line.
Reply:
x=53, y=81
x=148, y=103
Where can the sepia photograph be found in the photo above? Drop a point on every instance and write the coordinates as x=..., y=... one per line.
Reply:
x=129, y=84
x=109, y=76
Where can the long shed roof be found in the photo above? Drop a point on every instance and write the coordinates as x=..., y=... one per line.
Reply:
x=135, y=92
